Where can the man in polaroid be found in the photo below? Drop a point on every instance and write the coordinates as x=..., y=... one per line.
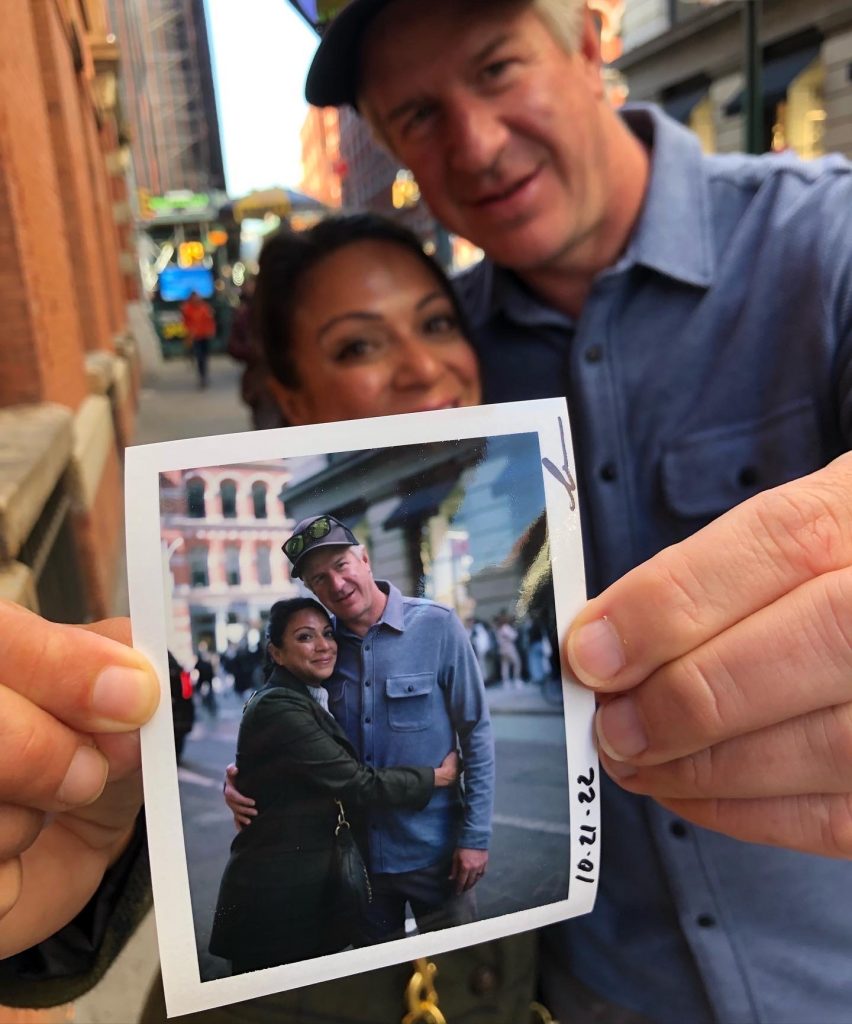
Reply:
x=407, y=689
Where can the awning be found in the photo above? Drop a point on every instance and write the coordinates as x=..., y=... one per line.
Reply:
x=418, y=506
x=680, y=107
x=778, y=73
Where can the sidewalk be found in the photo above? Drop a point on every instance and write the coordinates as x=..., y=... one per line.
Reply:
x=528, y=700
x=171, y=407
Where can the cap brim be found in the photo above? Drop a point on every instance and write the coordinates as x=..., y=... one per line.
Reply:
x=333, y=75
x=295, y=571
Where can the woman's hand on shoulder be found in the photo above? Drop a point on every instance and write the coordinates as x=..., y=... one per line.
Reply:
x=72, y=699
x=447, y=773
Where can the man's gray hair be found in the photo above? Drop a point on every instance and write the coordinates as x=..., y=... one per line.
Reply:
x=564, y=18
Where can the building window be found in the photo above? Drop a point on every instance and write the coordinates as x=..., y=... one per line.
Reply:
x=195, y=507
x=799, y=122
x=199, y=575
x=264, y=565
x=232, y=565
x=228, y=493
x=258, y=495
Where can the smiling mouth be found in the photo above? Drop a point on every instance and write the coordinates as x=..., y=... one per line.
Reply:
x=494, y=199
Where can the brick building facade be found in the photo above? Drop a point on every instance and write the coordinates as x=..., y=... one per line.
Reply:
x=68, y=372
x=222, y=529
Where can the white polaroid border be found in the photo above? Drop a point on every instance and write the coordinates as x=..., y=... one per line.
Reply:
x=184, y=990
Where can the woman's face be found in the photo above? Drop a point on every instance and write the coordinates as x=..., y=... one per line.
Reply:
x=375, y=333
x=308, y=648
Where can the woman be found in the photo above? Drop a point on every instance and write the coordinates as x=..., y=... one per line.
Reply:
x=357, y=320
x=276, y=901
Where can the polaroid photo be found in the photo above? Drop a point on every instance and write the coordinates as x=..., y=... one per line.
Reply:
x=447, y=547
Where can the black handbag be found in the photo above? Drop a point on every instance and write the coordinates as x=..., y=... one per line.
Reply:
x=351, y=893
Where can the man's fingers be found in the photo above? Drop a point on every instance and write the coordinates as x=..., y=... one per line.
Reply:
x=815, y=823
x=43, y=763
x=810, y=754
x=688, y=593
x=783, y=662
x=11, y=882
x=113, y=629
x=85, y=679
x=19, y=827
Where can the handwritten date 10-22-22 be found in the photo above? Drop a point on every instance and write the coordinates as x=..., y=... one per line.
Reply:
x=588, y=834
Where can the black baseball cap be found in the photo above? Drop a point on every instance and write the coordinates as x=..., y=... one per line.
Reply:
x=333, y=75
x=312, y=533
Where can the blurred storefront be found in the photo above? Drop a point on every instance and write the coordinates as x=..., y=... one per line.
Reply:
x=689, y=57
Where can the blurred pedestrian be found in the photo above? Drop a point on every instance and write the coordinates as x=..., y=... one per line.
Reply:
x=200, y=323
x=507, y=647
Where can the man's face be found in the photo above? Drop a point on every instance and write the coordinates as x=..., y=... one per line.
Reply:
x=503, y=129
x=342, y=580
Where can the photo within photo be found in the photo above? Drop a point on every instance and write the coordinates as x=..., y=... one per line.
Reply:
x=363, y=653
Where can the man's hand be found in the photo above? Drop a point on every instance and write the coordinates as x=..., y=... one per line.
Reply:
x=71, y=702
x=242, y=807
x=725, y=669
x=468, y=867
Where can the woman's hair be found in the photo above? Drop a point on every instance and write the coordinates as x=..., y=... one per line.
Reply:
x=289, y=256
x=280, y=614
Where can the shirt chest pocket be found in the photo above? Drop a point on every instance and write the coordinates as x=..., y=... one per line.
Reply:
x=710, y=471
x=409, y=700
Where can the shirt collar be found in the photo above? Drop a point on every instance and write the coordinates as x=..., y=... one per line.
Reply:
x=672, y=235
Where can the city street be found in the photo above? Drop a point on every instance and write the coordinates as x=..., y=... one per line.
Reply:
x=528, y=866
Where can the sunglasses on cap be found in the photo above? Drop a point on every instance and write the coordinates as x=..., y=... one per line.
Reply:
x=319, y=528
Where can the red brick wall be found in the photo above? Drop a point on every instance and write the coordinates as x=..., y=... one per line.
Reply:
x=65, y=116
x=40, y=357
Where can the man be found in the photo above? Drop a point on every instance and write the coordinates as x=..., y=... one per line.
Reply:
x=697, y=313
x=406, y=688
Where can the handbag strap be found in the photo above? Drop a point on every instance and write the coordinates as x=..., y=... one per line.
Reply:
x=341, y=818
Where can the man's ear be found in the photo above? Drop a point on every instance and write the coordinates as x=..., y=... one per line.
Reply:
x=590, y=49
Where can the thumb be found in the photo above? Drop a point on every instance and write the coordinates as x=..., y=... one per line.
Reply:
x=79, y=675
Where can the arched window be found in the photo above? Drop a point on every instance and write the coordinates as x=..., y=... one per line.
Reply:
x=258, y=495
x=199, y=575
x=232, y=565
x=228, y=493
x=195, y=507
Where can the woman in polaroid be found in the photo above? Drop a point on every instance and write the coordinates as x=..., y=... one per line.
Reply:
x=279, y=900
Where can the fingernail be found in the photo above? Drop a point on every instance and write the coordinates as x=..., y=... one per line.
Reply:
x=85, y=777
x=619, y=728
x=124, y=695
x=596, y=652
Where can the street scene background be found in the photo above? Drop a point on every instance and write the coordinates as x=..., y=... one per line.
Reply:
x=461, y=522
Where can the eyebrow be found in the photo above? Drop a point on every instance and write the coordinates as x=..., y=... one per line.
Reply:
x=481, y=55
x=353, y=315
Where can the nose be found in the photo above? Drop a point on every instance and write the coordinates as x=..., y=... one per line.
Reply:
x=418, y=365
x=474, y=134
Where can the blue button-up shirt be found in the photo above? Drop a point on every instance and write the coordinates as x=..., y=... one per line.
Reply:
x=407, y=693
x=712, y=361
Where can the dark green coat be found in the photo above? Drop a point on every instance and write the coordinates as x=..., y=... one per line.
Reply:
x=295, y=761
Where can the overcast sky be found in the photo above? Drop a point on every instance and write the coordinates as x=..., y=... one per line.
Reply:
x=261, y=52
